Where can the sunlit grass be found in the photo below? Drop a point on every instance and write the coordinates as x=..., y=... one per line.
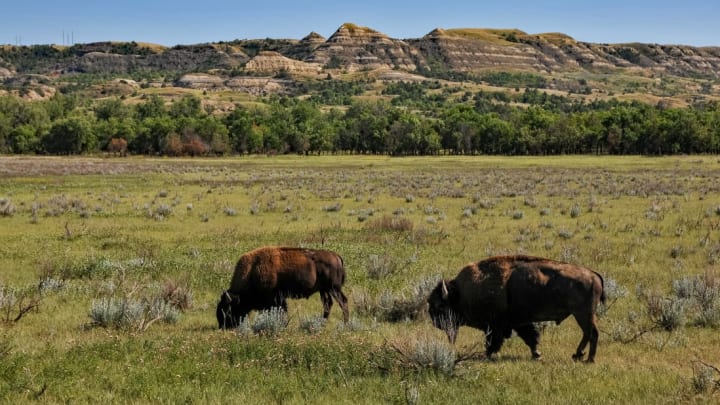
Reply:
x=124, y=227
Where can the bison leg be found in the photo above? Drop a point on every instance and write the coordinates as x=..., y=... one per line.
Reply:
x=494, y=338
x=530, y=335
x=590, y=334
x=231, y=318
x=278, y=301
x=594, y=335
x=342, y=301
x=327, y=303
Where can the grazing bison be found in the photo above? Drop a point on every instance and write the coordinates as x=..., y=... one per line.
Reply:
x=505, y=293
x=267, y=276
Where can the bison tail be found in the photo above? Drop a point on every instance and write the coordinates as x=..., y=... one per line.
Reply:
x=602, y=285
x=342, y=266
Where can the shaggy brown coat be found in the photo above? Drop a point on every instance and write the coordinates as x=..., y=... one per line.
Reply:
x=505, y=293
x=267, y=276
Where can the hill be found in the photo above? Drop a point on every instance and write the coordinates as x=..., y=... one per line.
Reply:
x=555, y=61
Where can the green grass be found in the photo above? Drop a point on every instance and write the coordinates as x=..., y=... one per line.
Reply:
x=127, y=226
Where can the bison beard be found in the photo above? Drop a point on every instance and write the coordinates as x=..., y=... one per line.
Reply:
x=505, y=293
x=266, y=277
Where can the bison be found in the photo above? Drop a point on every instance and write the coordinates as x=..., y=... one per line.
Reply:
x=267, y=276
x=505, y=293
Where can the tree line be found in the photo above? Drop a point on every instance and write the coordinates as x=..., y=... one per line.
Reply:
x=480, y=123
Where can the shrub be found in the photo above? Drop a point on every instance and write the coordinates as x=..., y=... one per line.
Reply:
x=575, y=211
x=336, y=207
x=270, y=322
x=705, y=376
x=8, y=298
x=388, y=223
x=703, y=294
x=379, y=267
x=354, y=324
x=391, y=307
x=713, y=254
x=435, y=354
x=159, y=309
x=613, y=291
x=666, y=312
x=160, y=212
x=244, y=328
x=177, y=294
x=49, y=284
x=312, y=325
x=254, y=208
x=426, y=353
x=7, y=209
x=129, y=313
x=112, y=312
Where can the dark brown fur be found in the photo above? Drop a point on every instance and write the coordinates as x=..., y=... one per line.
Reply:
x=505, y=293
x=267, y=276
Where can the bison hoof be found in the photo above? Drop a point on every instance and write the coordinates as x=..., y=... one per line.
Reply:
x=578, y=356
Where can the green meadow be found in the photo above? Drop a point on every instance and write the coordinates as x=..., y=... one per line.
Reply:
x=110, y=270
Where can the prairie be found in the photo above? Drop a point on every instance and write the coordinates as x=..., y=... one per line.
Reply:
x=155, y=240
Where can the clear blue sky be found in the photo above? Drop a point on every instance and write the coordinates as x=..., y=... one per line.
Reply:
x=687, y=22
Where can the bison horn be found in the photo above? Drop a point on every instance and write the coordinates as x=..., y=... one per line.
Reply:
x=444, y=291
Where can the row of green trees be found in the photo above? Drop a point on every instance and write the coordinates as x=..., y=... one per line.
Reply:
x=70, y=125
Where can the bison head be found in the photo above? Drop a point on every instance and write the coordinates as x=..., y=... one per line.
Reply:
x=228, y=314
x=440, y=307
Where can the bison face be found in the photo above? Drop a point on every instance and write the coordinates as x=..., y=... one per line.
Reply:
x=228, y=314
x=441, y=310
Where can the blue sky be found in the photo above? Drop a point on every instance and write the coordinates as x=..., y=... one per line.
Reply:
x=688, y=22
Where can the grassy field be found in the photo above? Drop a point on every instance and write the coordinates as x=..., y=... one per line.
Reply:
x=158, y=238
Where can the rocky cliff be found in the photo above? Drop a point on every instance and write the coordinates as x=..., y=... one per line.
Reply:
x=352, y=48
x=269, y=62
x=472, y=50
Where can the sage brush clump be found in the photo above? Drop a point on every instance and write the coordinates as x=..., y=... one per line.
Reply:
x=129, y=313
x=394, y=307
x=312, y=325
x=270, y=322
x=702, y=295
x=435, y=354
x=114, y=312
x=425, y=353
x=7, y=209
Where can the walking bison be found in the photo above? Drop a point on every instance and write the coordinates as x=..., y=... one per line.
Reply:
x=267, y=276
x=505, y=293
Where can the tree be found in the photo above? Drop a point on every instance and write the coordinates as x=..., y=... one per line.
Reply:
x=72, y=135
x=112, y=108
x=24, y=139
x=115, y=128
x=459, y=126
x=152, y=133
x=153, y=107
x=239, y=124
x=189, y=106
x=214, y=134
